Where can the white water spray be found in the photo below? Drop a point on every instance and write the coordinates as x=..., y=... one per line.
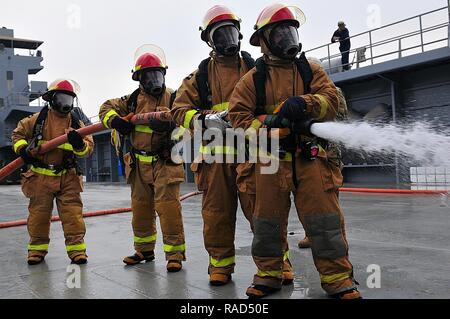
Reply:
x=418, y=141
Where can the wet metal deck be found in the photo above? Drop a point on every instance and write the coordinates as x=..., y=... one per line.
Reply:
x=407, y=236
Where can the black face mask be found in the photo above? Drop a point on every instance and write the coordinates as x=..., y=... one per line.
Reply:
x=153, y=81
x=226, y=40
x=62, y=102
x=284, y=41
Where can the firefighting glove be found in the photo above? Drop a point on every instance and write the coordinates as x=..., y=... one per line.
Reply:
x=122, y=126
x=161, y=126
x=215, y=121
x=294, y=110
x=27, y=158
x=272, y=121
x=75, y=140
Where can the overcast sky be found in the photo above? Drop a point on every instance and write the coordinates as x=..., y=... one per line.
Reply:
x=93, y=42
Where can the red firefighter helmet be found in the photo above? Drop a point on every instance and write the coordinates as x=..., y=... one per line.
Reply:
x=277, y=13
x=62, y=85
x=148, y=56
x=215, y=15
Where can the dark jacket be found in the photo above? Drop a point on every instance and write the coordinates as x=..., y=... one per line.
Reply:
x=344, y=36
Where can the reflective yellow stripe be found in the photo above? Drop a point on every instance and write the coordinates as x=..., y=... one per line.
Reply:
x=65, y=147
x=322, y=152
x=82, y=153
x=178, y=133
x=256, y=124
x=146, y=159
x=287, y=158
x=206, y=150
x=221, y=107
x=323, y=105
x=188, y=119
x=47, y=172
x=273, y=273
x=80, y=247
x=172, y=249
x=38, y=247
x=143, y=129
x=19, y=144
x=108, y=116
x=145, y=240
x=222, y=263
x=286, y=256
x=329, y=279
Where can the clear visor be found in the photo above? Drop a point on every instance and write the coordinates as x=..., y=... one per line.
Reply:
x=152, y=49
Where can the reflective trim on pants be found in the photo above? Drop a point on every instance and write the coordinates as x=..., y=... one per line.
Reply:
x=145, y=240
x=273, y=273
x=329, y=279
x=43, y=247
x=286, y=256
x=174, y=249
x=71, y=248
x=222, y=263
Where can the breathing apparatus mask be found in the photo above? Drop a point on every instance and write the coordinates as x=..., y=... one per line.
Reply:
x=153, y=81
x=283, y=41
x=225, y=39
x=62, y=102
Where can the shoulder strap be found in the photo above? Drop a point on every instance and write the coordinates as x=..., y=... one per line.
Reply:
x=39, y=124
x=132, y=101
x=173, y=96
x=306, y=72
x=248, y=60
x=259, y=79
x=203, y=85
x=75, y=120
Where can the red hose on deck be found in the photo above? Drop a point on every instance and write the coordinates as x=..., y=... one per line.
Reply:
x=140, y=119
x=393, y=191
x=23, y=222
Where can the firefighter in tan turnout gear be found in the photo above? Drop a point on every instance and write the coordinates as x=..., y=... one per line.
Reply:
x=204, y=98
x=296, y=91
x=54, y=175
x=155, y=180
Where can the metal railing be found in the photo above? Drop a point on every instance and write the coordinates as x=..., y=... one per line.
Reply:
x=418, y=34
x=23, y=99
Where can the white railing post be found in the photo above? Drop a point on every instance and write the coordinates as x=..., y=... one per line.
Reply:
x=448, y=7
x=421, y=33
x=371, y=46
x=329, y=58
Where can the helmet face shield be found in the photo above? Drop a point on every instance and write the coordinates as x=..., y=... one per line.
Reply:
x=62, y=102
x=225, y=40
x=153, y=81
x=284, y=41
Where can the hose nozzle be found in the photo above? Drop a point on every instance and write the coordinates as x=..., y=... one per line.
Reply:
x=304, y=127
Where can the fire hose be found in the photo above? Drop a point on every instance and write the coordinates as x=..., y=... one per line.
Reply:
x=140, y=119
x=116, y=211
x=187, y=196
